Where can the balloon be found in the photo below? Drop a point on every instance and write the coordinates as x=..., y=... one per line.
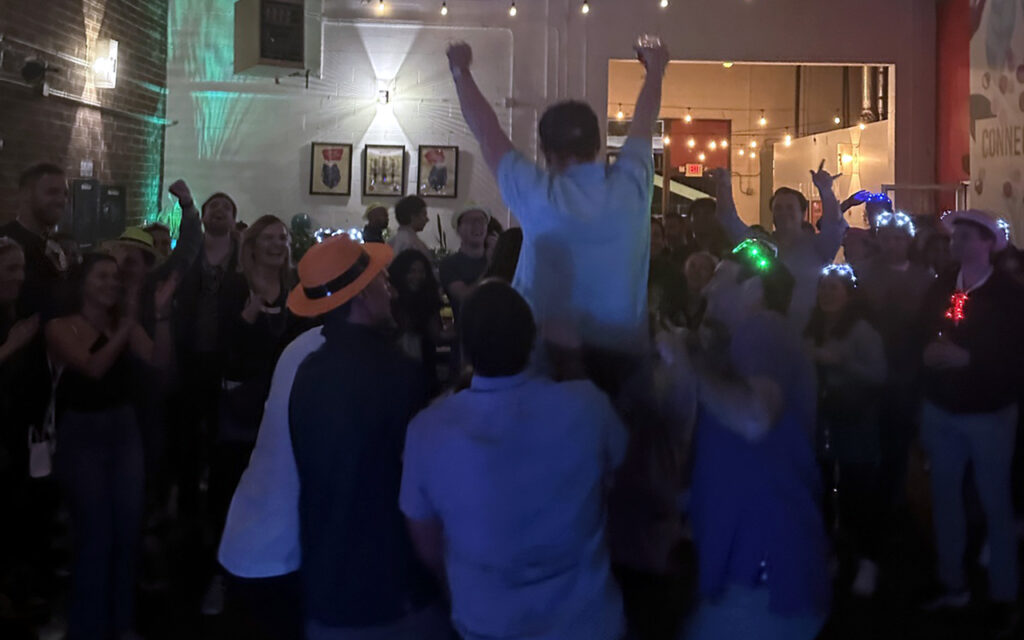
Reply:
x=301, y=223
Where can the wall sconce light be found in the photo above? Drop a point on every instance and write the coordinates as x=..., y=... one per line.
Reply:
x=104, y=64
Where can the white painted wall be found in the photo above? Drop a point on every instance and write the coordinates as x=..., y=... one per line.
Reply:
x=872, y=166
x=550, y=51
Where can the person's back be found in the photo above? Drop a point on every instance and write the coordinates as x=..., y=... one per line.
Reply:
x=586, y=241
x=515, y=468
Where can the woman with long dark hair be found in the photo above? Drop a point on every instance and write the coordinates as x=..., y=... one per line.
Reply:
x=850, y=358
x=100, y=462
x=417, y=310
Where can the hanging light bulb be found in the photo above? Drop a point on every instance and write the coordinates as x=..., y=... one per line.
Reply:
x=380, y=6
x=862, y=126
x=743, y=152
x=753, y=155
x=702, y=157
x=688, y=118
x=585, y=9
x=512, y=11
x=713, y=145
x=724, y=143
x=666, y=140
x=620, y=115
x=691, y=143
x=788, y=140
x=837, y=119
x=444, y=8
x=763, y=121
x=753, y=144
x=663, y=4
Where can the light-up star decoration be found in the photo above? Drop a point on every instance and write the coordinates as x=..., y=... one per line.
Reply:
x=956, y=311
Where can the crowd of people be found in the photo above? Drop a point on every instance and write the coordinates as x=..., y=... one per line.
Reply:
x=608, y=390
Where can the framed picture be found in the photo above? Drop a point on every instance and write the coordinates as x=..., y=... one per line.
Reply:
x=439, y=172
x=330, y=172
x=384, y=170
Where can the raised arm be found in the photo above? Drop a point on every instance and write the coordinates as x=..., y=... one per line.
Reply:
x=67, y=348
x=648, y=103
x=833, y=226
x=725, y=206
x=190, y=234
x=479, y=115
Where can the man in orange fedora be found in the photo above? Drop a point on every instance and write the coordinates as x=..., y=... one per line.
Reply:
x=359, y=573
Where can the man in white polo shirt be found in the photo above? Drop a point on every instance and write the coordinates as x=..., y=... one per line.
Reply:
x=586, y=226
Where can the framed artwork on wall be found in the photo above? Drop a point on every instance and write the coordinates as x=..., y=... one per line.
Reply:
x=330, y=172
x=438, y=172
x=384, y=170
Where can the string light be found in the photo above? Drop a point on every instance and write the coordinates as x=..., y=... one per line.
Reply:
x=843, y=271
x=724, y=143
x=702, y=157
x=956, y=311
x=753, y=144
x=712, y=145
x=666, y=140
x=688, y=118
x=585, y=9
x=512, y=11
x=620, y=115
x=743, y=152
x=788, y=140
x=444, y=8
x=837, y=119
x=899, y=221
x=691, y=143
x=380, y=6
x=862, y=126
x=663, y=4
x=763, y=121
x=752, y=155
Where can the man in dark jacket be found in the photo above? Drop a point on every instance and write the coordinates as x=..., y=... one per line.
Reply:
x=972, y=319
x=359, y=572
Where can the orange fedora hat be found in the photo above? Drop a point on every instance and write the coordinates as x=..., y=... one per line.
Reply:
x=335, y=271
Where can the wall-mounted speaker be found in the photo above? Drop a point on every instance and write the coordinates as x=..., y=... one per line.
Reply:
x=269, y=36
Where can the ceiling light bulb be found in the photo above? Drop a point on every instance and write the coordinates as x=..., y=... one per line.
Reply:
x=512, y=11
x=691, y=143
x=444, y=8
x=743, y=151
x=753, y=144
x=702, y=157
x=752, y=155
x=712, y=145
x=663, y=4
x=763, y=121
x=724, y=144
x=585, y=9
x=620, y=115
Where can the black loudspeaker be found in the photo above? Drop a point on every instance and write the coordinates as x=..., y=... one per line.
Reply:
x=269, y=36
x=85, y=206
x=112, y=216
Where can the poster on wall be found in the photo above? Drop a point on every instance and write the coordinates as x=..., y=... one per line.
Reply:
x=330, y=172
x=439, y=172
x=383, y=170
x=997, y=110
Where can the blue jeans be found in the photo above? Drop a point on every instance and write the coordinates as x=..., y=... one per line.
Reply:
x=99, y=464
x=987, y=440
x=742, y=613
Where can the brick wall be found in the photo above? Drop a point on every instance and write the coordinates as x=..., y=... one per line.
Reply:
x=125, y=150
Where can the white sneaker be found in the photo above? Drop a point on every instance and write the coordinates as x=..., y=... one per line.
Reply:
x=213, y=601
x=949, y=600
x=866, y=582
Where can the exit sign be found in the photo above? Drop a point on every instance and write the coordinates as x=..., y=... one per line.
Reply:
x=694, y=170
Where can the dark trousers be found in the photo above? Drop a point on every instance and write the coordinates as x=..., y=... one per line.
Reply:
x=100, y=465
x=195, y=406
x=264, y=608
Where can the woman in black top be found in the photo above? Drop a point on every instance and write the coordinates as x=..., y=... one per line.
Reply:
x=256, y=329
x=417, y=310
x=99, y=461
